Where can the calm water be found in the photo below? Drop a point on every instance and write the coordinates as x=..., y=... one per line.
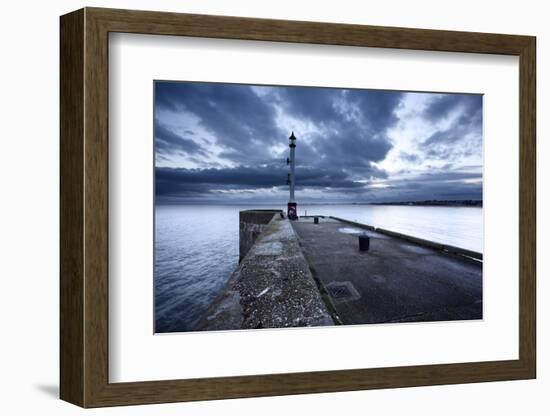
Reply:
x=197, y=247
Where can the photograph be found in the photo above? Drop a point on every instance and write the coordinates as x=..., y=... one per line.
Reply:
x=282, y=206
x=276, y=204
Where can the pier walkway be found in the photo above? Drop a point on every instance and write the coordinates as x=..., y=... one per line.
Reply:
x=272, y=287
x=396, y=280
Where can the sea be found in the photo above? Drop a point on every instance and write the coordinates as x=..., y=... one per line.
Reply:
x=197, y=247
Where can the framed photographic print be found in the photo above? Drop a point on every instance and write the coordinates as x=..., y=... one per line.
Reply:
x=255, y=207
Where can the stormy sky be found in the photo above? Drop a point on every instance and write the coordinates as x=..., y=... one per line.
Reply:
x=228, y=143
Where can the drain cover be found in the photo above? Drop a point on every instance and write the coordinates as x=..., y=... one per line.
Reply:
x=339, y=291
x=342, y=291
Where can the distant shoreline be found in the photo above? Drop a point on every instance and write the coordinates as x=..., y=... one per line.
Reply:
x=434, y=203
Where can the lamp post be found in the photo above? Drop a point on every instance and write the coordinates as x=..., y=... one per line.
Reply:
x=292, y=210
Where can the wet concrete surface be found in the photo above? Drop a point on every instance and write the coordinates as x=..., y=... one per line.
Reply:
x=395, y=281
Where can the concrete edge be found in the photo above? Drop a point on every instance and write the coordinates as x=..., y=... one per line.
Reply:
x=225, y=311
x=251, y=227
x=420, y=241
x=325, y=296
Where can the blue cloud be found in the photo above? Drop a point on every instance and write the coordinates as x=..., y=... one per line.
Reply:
x=338, y=153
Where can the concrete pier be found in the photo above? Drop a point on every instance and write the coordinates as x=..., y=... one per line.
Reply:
x=251, y=225
x=272, y=287
x=397, y=280
x=312, y=273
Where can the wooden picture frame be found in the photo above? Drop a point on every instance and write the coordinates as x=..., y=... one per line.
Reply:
x=84, y=207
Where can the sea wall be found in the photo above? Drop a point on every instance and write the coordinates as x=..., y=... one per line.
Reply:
x=251, y=225
x=272, y=287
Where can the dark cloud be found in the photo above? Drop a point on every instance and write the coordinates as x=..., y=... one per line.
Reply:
x=353, y=149
x=242, y=122
x=433, y=186
x=338, y=153
x=469, y=120
x=421, y=192
x=443, y=105
x=409, y=157
x=375, y=108
x=172, y=182
x=353, y=124
x=169, y=142
x=462, y=137
x=318, y=105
